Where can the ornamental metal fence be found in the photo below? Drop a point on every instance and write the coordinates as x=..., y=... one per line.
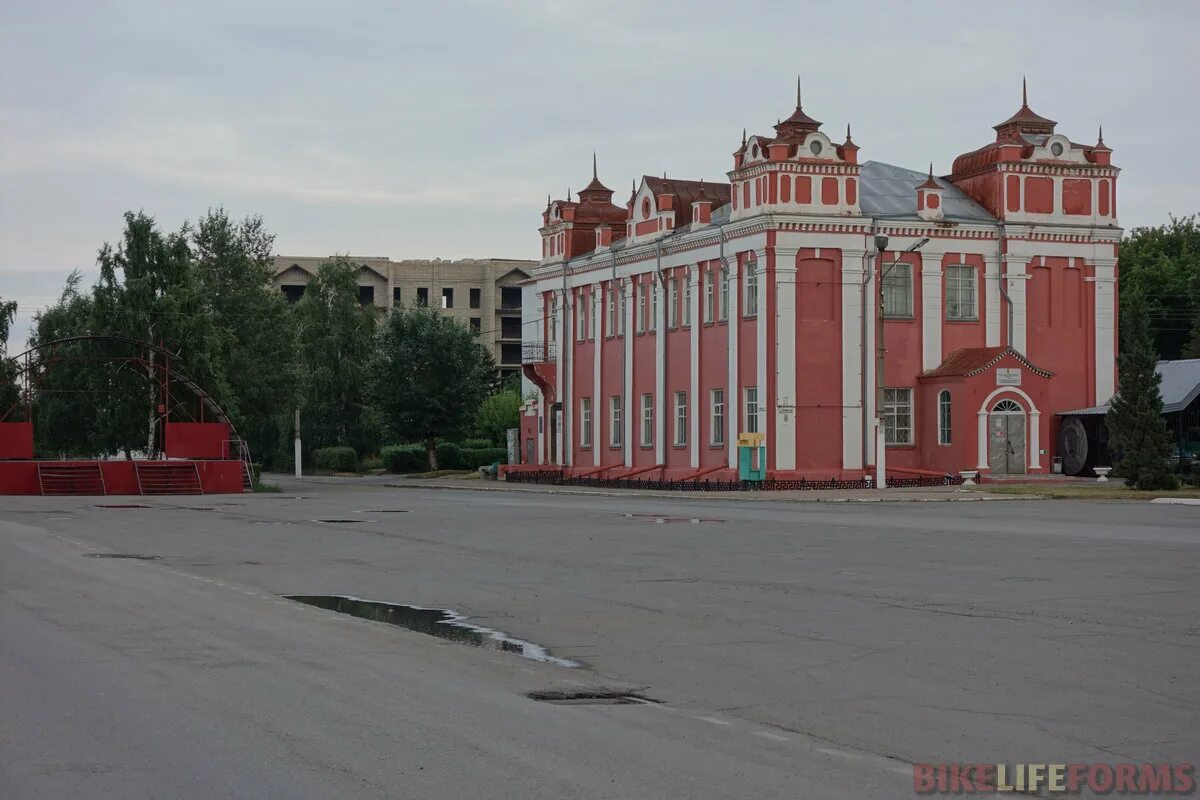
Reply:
x=557, y=478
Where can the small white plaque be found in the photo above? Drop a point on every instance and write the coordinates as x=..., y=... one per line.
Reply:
x=1008, y=377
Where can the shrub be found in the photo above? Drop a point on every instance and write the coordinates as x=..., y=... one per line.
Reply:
x=374, y=462
x=337, y=459
x=405, y=458
x=449, y=456
x=482, y=457
x=476, y=444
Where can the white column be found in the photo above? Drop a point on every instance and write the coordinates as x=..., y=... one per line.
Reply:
x=568, y=398
x=931, y=310
x=543, y=421
x=627, y=400
x=660, y=374
x=1106, y=329
x=1035, y=440
x=1016, y=275
x=992, y=305
x=733, y=408
x=698, y=405
x=560, y=374
x=852, y=366
x=872, y=299
x=785, y=356
x=597, y=395
x=760, y=353
x=983, y=440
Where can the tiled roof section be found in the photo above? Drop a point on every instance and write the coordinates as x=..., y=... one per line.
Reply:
x=888, y=191
x=688, y=192
x=1027, y=121
x=973, y=360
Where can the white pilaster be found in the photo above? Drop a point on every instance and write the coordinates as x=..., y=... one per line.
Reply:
x=852, y=362
x=1106, y=329
x=568, y=397
x=872, y=292
x=785, y=357
x=660, y=373
x=560, y=374
x=698, y=405
x=982, y=445
x=630, y=294
x=931, y=310
x=760, y=354
x=599, y=319
x=1016, y=275
x=733, y=406
x=992, y=306
x=543, y=421
x=1035, y=440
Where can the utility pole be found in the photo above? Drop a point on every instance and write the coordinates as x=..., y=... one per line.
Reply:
x=296, y=442
x=881, y=243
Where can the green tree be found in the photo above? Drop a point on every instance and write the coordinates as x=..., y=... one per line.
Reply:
x=255, y=342
x=335, y=336
x=499, y=412
x=9, y=393
x=1137, y=431
x=1162, y=265
x=428, y=378
x=72, y=385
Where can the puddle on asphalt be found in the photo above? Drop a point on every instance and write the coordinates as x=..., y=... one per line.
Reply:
x=433, y=621
x=134, y=556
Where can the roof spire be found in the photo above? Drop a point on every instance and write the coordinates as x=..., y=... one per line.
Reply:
x=798, y=103
x=594, y=165
x=1024, y=94
x=743, y=137
x=568, y=194
x=931, y=169
x=847, y=131
x=1100, y=137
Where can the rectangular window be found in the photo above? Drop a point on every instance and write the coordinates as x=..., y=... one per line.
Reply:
x=723, y=308
x=687, y=300
x=898, y=292
x=961, y=293
x=422, y=296
x=595, y=324
x=897, y=416
x=580, y=317
x=751, y=410
x=640, y=309
x=585, y=422
x=655, y=289
x=622, y=311
x=680, y=419
x=447, y=298
x=476, y=298
x=944, y=417
x=716, y=416
x=647, y=420
x=673, y=303
x=476, y=324
x=616, y=430
x=396, y=296
x=709, y=296
x=612, y=313
x=366, y=295
x=751, y=288
x=554, y=319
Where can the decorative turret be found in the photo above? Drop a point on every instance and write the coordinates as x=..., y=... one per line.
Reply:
x=796, y=127
x=570, y=229
x=1024, y=121
x=929, y=198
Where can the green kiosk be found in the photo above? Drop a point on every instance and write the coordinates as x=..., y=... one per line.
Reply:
x=752, y=457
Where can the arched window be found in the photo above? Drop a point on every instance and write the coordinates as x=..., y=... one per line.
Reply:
x=944, y=416
x=1008, y=407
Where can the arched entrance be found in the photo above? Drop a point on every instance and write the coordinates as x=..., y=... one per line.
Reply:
x=1006, y=438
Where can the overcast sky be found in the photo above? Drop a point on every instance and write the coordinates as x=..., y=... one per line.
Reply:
x=435, y=129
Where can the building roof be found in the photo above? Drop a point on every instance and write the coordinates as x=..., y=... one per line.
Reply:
x=974, y=360
x=886, y=190
x=1180, y=387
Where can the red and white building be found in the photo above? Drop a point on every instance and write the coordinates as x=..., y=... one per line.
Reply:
x=699, y=311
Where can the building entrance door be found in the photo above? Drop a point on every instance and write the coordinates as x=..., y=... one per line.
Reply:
x=1006, y=442
x=555, y=427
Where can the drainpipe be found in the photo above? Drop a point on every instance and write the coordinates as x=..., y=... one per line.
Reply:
x=619, y=320
x=868, y=273
x=568, y=337
x=1000, y=241
x=660, y=330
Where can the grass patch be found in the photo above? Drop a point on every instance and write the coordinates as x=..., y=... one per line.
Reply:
x=1096, y=492
x=443, y=473
x=265, y=488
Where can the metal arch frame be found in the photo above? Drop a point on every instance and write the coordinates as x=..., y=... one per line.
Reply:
x=172, y=374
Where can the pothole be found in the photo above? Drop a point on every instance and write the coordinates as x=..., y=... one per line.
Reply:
x=662, y=519
x=384, y=511
x=122, y=505
x=443, y=623
x=592, y=697
x=135, y=556
x=343, y=521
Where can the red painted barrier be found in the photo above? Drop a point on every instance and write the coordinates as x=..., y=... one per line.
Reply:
x=120, y=477
x=16, y=440
x=197, y=440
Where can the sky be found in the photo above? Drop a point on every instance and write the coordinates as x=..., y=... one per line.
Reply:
x=436, y=129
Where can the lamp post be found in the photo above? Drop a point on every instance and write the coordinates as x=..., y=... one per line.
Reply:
x=881, y=243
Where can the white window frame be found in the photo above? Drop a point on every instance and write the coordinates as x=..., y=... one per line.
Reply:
x=716, y=417
x=750, y=405
x=580, y=318
x=655, y=290
x=585, y=422
x=723, y=304
x=647, y=420
x=751, y=304
x=612, y=312
x=673, y=302
x=681, y=419
x=898, y=416
x=709, y=296
x=554, y=318
x=624, y=304
x=945, y=417
x=595, y=322
x=687, y=299
x=616, y=431
x=640, y=309
x=898, y=291
x=962, y=293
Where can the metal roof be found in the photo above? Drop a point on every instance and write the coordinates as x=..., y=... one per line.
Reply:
x=1179, y=387
x=886, y=190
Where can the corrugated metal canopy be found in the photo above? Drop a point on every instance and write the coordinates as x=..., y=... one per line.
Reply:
x=1179, y=388
x=890, y=191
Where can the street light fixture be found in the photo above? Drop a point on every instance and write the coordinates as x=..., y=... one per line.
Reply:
x=881, y=243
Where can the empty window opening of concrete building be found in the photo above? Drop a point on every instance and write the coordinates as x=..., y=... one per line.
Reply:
x=366, y=295
x=447, y=297
x=422, y=296
x=476, y=298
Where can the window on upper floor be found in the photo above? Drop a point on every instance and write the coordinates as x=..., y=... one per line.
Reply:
x=476, y=298
x=709, y=296
x=723, y=306
x=366, y=295
x=898, y=291
x=447, y=297
x=687, y=300
x=673, y=303
x=961, y=293
x=422, y=296
x=751, y=306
